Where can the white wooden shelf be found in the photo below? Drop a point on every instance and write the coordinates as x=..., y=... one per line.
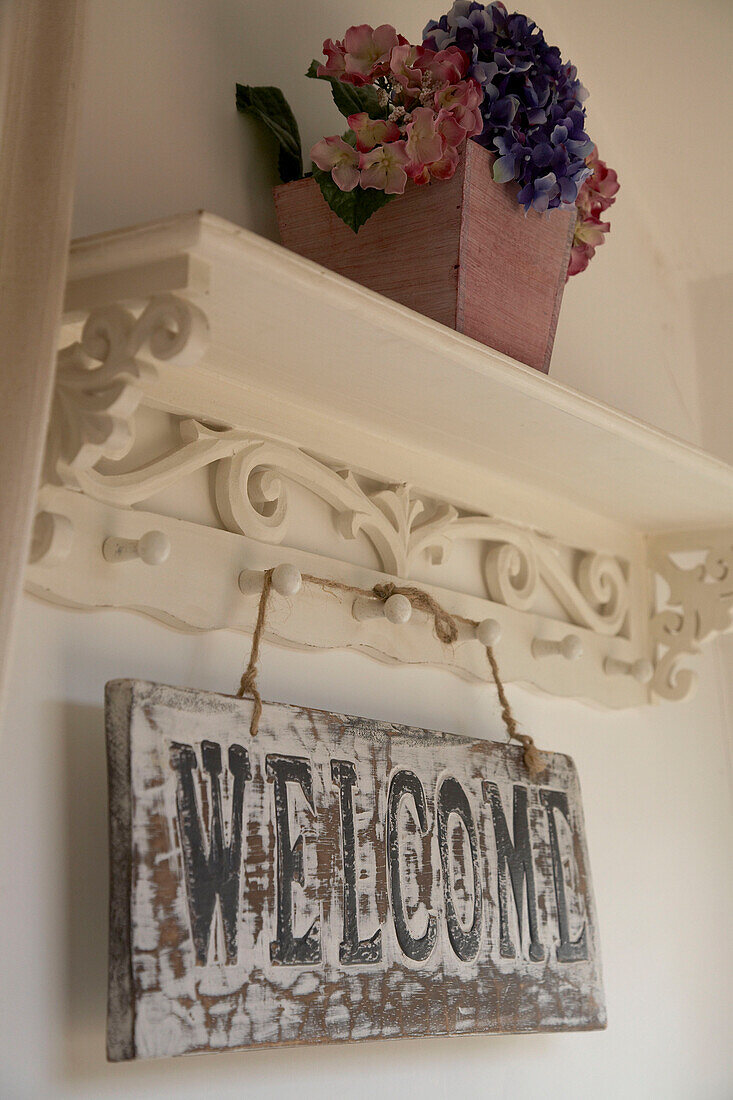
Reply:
x=396, y=439
x=293, y=330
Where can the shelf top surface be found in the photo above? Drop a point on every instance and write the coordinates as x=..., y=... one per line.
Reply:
x=283, y=324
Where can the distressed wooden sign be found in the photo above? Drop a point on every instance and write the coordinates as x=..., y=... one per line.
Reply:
x=335, y=878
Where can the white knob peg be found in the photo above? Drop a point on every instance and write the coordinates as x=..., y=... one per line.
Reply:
x=153, y=548
x=397, y=609
x=286, y=580
x=488, y=632
x=641, y=670
x=570, y=647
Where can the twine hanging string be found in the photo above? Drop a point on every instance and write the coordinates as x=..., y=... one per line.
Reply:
x=446, y=630
x=248, y=683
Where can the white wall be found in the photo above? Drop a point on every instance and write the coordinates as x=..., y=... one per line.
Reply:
x=712, y=305
x=160, y=135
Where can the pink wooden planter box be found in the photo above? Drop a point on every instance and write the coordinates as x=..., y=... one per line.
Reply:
x=461, y=252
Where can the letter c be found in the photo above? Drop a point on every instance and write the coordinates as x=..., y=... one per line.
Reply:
x=417, y=948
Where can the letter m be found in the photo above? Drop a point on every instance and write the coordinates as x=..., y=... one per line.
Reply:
x=515, y=867
x=212, y=873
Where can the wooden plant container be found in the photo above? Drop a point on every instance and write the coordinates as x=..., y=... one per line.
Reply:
x=462, y=252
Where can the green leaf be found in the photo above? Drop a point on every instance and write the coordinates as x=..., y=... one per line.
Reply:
x=349, y=99
x=353, y=207
x=501, y=172
x=271, y=107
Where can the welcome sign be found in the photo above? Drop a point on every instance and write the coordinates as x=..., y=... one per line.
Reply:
x=335, y=879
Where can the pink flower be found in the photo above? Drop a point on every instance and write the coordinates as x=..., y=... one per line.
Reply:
x=463, y=100
x=603, y=184
x=449, y=66
x=367, y=51
x=384, y=168
x=404, y=64
x=450, y=129
x=452, y=136
x=424, y=143
x=334, y=155
x=372, y=131
x=418, y=69
x=445, y=167
x=335, y=60
x=580, y=257
x=596, y=194
x=432, y=145
x=590, y=231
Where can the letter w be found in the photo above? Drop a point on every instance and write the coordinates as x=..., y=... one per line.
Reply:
x=214, y=873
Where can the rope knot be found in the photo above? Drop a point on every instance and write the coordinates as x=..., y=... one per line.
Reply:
x=248, y=683
x=533, y=759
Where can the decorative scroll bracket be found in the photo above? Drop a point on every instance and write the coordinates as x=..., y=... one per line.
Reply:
x=101, y=377
x=698, y=605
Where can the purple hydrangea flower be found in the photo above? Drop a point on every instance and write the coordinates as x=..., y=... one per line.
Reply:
x=533, y=111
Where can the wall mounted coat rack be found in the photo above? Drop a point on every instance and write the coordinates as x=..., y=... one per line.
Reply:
x=223, y=406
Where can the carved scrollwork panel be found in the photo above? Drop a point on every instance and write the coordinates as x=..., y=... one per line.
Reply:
x=252, y=476
x=251, y=492
x=519, y=561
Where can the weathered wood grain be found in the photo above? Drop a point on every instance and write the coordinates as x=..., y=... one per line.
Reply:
x=335, y=879
x=460, y=251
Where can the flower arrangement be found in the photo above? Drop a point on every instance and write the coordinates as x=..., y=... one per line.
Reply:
x=480, y=73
